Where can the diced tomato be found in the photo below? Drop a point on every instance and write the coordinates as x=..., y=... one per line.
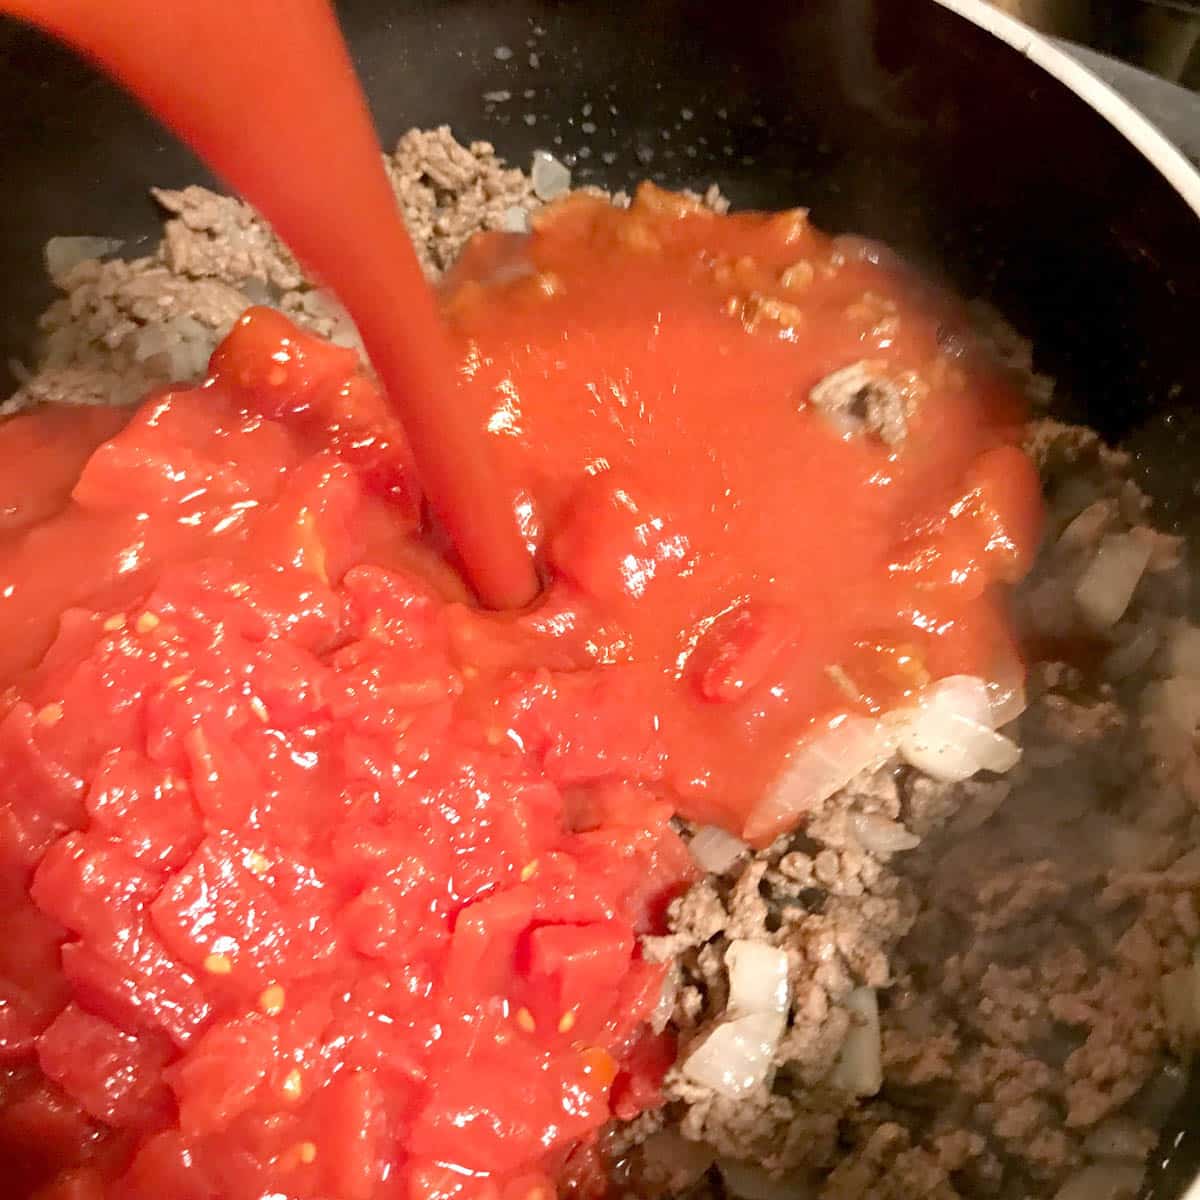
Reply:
x=638, y=1085
x=483, y=1116
x=136, y=984
x=115, y=1076
x=93, y=887
x=222, y=915
x=166, y=1165
x=483, y=947
x=148, y=807
x=42, y=1130
x=354, y=1136
x=574, y=973
x=217, y=1078
x=86, y=1183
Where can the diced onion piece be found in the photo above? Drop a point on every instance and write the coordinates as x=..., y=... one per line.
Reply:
x=714, y=850
x=758, y=978
x=859, y=1066
x=1105, y=589
x=1006, y=691
x=1087, y=528
x=881, y=836
x=735, y=1057
x=664, y=1006
x=550, y=177
x=1103, y=1181
x=951, y=748
x=819, y=767
x=64, y=253
x=514, y=220
x=964, y=695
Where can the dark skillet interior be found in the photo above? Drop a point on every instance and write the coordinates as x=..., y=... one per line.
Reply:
x=897, y=121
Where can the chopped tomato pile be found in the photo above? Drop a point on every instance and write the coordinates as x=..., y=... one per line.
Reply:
x=317, y=881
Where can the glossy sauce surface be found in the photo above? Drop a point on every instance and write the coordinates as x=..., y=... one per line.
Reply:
x=714, y=535
x=319, y=880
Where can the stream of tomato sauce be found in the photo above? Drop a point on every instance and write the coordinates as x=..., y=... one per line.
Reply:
x=271, y=102
x=319, y=880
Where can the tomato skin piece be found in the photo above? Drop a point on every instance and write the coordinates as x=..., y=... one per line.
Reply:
x=638, y=1085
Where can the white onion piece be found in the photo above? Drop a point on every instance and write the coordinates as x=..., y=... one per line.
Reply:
x=63, y=253
x=1089, y=526
x=819, y=767
x=993, y=750
x=881, y=836
x=714, y=850
x=859, y=1066
x=1105, y=589
x=951, y=748
x=1183, y=651
x=664, y=1007
x=550, y=178
x=964, y=695
x=1006, y=692
x=514, y=220
x=1103, y=1181
x=758, y=978
x=735, y=1057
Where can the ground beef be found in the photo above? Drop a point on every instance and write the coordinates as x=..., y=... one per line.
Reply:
x=122, y=327
x=1018, y=950
x=448, y=191
x=1015, y=931
x=863, y=398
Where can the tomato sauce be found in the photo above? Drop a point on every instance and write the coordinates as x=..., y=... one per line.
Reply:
x=320, y=881
x=273, y=106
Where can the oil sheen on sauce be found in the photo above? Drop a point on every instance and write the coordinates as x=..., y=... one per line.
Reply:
x=286, y=817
